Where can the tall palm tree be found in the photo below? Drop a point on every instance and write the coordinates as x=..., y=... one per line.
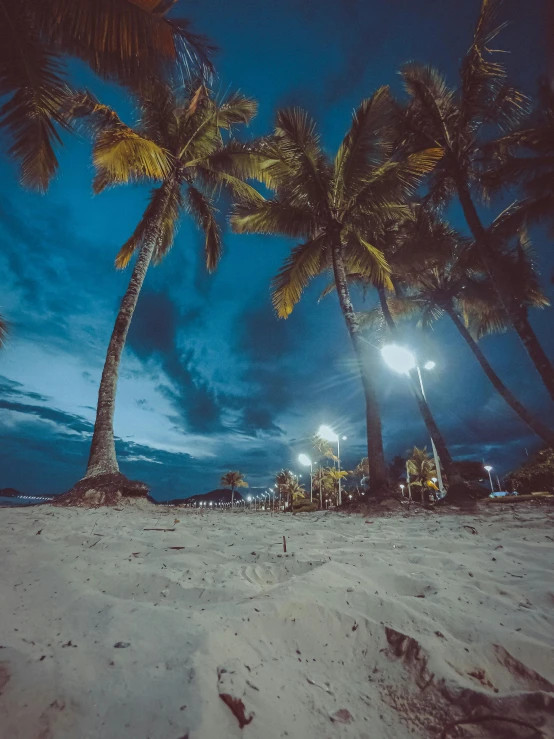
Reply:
x=177, y=142
x=459, y=120
x=397, y=239
x=336, y=207
x=118, y=39
x=234, y=480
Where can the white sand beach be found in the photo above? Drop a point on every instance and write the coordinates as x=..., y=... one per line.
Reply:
x=367, y=628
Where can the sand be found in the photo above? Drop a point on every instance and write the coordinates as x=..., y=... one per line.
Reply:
x=367, y=628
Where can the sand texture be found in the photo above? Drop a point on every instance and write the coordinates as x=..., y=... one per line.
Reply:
x=367, y=628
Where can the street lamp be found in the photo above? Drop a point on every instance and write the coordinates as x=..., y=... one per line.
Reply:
x=327, y=433
x=402, y=490
x=489, y=470
x=305, y=460
x=402, y=360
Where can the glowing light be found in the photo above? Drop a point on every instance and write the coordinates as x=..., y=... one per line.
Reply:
x=327, y=433
x=398, y=358
x=488, y=467
x=304, y=459
x=429, y=365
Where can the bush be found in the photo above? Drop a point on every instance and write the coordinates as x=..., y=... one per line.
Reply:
x=304, y=507
x=534, y=476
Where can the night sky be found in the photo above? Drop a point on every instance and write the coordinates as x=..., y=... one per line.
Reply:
x=210, y=379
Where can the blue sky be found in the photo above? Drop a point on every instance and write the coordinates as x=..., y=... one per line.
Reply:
x=211, y=380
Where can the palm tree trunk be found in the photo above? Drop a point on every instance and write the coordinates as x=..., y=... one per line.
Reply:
x=232, y=495
x=516, y=314
x=365, y=359
x=537, y=426
x=433, y=430
x=102, y=458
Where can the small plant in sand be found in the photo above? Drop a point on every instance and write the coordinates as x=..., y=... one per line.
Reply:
x=234, y=480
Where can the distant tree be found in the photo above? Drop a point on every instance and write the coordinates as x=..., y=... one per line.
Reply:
x=234, y=480
x=326, y=483
x=126, y=40
x=181, y=141
x=284, y=479
x=296, y=493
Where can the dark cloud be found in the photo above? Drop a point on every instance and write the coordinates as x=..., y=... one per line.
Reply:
x=154, y=333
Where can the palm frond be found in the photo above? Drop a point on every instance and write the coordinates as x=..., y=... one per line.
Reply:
x=395, y=180
x=480, y=75
x=432, y=105
x=367, y=140
x=236, y=108
x=305, y=262
x=276, y=217
x=124, y=39
x=150, y=226
x=202, y=209
x=169, y=223
x=363, y=258
x=301, y=169
x=33, y=88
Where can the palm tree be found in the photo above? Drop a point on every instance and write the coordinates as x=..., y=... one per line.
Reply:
x=422, y=470
x=234, y=480
x=437, y=278
x=283, y=480
x=326, y=483
x=177, y=142
x=119, y=39
x=394, y=240
x=458, y=120
x=336, y=207
x=295, y=492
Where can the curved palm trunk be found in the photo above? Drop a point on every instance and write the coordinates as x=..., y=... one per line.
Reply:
x=375, y=455
x=232, y=495
x=537, y=426
x=102, y=458
x=517, y=315
x=433, y=430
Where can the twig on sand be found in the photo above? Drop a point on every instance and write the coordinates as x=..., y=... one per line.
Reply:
x=470, y=528
x=538, y=734
x=158, y=529
x=285, y=544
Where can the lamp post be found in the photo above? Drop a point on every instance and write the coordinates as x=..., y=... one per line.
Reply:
x=402, y=490
x=489, y=469
x=305, y=460
x=402, y=360
x=327, y=433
